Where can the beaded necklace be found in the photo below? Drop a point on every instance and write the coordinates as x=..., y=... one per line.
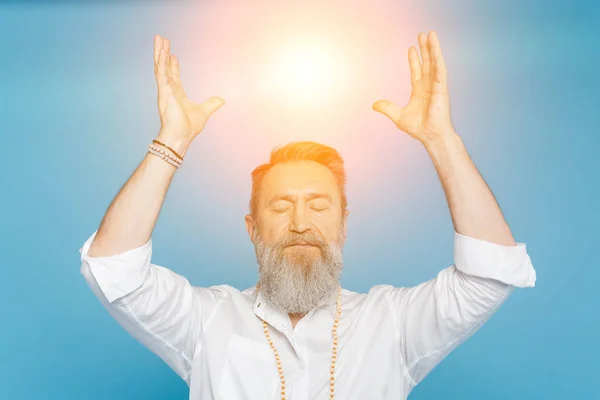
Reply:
x=333, y=352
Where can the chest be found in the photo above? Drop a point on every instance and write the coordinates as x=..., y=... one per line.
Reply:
x=235, y=359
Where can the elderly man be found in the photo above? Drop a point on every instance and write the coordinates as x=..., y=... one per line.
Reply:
x=298, y=334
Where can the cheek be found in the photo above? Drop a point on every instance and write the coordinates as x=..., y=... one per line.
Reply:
x=329, y=228
x=273, y=230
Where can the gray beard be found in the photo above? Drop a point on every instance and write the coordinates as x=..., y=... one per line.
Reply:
x=296, y=280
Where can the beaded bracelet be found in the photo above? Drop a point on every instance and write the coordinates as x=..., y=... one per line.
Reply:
x=164, y=145
x=166, y=156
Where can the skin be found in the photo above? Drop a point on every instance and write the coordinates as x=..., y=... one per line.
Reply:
x=132, y=215
x=312, y=203
x=426, y=117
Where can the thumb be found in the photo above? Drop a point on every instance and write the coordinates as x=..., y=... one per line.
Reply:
x=213, y=104
x=388, y=108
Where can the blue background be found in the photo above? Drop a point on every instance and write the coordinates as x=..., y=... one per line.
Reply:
x=78, y=107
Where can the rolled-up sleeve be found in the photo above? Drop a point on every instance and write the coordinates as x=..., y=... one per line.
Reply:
x=118, y=275
x=436, y=316
x=155, y=305
x=507, y=264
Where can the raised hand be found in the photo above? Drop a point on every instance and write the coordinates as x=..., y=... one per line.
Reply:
x=181, y=120
x=427, y=115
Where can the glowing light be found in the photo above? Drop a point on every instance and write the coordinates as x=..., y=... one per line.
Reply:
x=302, y=72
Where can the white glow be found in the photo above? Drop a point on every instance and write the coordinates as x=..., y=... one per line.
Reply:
x=302, y=72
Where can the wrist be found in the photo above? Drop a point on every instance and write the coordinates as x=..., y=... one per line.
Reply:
x=179, y=144
x=444, y=143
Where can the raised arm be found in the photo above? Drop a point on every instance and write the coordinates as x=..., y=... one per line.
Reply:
x=154, y=304
x=436, y=316
x=132, y=215
x=473, y=207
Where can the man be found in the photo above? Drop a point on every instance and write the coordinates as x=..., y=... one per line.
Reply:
x=297, y=334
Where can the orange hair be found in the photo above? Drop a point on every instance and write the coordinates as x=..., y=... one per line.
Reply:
x=300, y=151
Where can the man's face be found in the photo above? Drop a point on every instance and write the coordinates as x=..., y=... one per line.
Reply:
x=298, y=235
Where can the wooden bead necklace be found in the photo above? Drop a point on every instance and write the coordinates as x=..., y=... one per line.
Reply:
x=333, y=355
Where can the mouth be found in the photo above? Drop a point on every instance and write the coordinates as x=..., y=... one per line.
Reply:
x=301, y=245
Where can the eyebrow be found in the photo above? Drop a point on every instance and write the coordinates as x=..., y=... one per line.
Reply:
x=309, y=196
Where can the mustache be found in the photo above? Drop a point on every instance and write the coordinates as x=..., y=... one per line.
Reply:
x=309, y=238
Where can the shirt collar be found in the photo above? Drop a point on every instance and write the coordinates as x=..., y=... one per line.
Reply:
x=278, y=318
x=271, y=315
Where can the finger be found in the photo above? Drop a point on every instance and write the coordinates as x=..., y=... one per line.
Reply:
x=161, y=69
x=388, y=108
x=157, y=47
x=175, y=76
x=164, y=88
x=213, y=104
x=167, y=45
x=426, y=69
x=440, y=73
x=169, y=61
x=415, y=65
x=175, y=73
x=426, y=65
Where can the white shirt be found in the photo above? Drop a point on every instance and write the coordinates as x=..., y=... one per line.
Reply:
x=389, y=338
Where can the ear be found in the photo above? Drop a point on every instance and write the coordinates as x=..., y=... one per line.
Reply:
x=345, y=223
x=250, y=226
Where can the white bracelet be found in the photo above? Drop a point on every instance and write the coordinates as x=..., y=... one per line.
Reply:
x=168, y=157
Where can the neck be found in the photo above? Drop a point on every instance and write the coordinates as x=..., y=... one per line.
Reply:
x=295, y=318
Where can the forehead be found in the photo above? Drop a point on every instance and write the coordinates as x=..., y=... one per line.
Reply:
x=298, y=178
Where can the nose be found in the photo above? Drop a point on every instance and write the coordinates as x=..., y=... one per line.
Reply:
x=300, y=222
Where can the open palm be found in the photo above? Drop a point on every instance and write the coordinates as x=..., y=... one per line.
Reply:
x=427, y=114
x=181, y=119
